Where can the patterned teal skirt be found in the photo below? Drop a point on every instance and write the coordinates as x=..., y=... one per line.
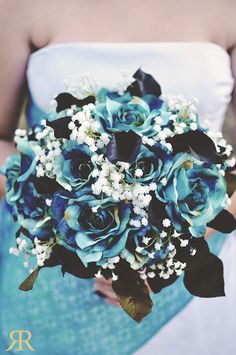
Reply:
x=65, y=316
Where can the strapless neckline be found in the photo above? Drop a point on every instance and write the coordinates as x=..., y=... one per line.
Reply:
x=135, y=45
x=193, y=69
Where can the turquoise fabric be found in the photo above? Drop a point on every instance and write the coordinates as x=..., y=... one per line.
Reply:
x=64, y=315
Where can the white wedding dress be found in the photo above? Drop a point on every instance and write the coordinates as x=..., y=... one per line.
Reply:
x=202, y=70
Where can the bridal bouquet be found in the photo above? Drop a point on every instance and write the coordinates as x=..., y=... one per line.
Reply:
x=122, y=185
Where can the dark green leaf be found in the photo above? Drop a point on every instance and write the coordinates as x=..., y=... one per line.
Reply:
x=46, y=185
x=134, y=298
x=28, y=284
x=224, y=222
x=231, y=183
x=199, y=259
x=144, y=84
x=72, y=264
x=60, y=127
x=124, y=146
x=66, y=100
x=201, y=146
x=206, y=281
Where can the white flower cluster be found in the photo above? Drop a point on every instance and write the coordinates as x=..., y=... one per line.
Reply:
x=184, y=114
x=110, y=180
x=47, y=152
x=84, y=86
x=222, y=147
x=87, y=131
x=111, y=265
x=124, y=82
x=24, y=248
x=169, y=265
x=42, y=250
x=20, y=134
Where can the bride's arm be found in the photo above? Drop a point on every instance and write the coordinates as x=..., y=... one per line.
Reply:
x=232, y=207
x=14, y=51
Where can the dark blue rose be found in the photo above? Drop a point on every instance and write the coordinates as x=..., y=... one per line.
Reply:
x=194, y=194
x=74, y=166
x=96, y=234
x=154, y=162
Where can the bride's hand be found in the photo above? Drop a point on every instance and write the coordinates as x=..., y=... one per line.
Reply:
x=209, y=232
x=104, y=289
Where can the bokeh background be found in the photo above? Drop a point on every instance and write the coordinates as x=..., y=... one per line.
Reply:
x=229, y=128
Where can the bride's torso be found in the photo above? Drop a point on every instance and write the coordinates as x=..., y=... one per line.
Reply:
x=193, y=69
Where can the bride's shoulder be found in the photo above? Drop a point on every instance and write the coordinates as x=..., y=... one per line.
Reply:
x=225, y=21
x=26, y=20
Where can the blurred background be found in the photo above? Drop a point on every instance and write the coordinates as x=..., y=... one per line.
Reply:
x=229, y=128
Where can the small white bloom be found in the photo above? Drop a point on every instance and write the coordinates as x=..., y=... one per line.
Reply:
x=157, y=246
x=139, y=249
x=40, y=262
x=151, y=274
x=153, y=267
x=146, y=240
x=138, y=173
x=175, y=234
x=171, y=247
x=163, y=234
x=145, y=221
x=151, y=255
x=95, y=209
x=153, y=186
x=26, y=264
x=166, y=223
x=48, y=202
x=163, y=181
x=18, y=240
x=169, y=263
x=158, y=120
x=184, y=242
x=114, y=277
x=193, y=126
x=14, y=251
x=111, y=266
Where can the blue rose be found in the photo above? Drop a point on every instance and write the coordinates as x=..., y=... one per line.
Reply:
x=95, y=234
x=137, y=114
x=18, y=169
x=74, y=166
x=154, y=162
x=194, y=194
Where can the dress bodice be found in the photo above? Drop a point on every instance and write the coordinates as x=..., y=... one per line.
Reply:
x=193, y=69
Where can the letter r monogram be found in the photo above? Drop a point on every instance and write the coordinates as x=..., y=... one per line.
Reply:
x=18, y=339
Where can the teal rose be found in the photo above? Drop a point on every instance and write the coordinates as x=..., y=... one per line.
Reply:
x=74, y=166
x=194, y=194
x=152, y=162
x=97, y=229
x=136, y=114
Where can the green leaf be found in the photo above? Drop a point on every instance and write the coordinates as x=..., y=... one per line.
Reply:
x=208, y=280
x=231, y=183
x=28, y=284
x=134, y=298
